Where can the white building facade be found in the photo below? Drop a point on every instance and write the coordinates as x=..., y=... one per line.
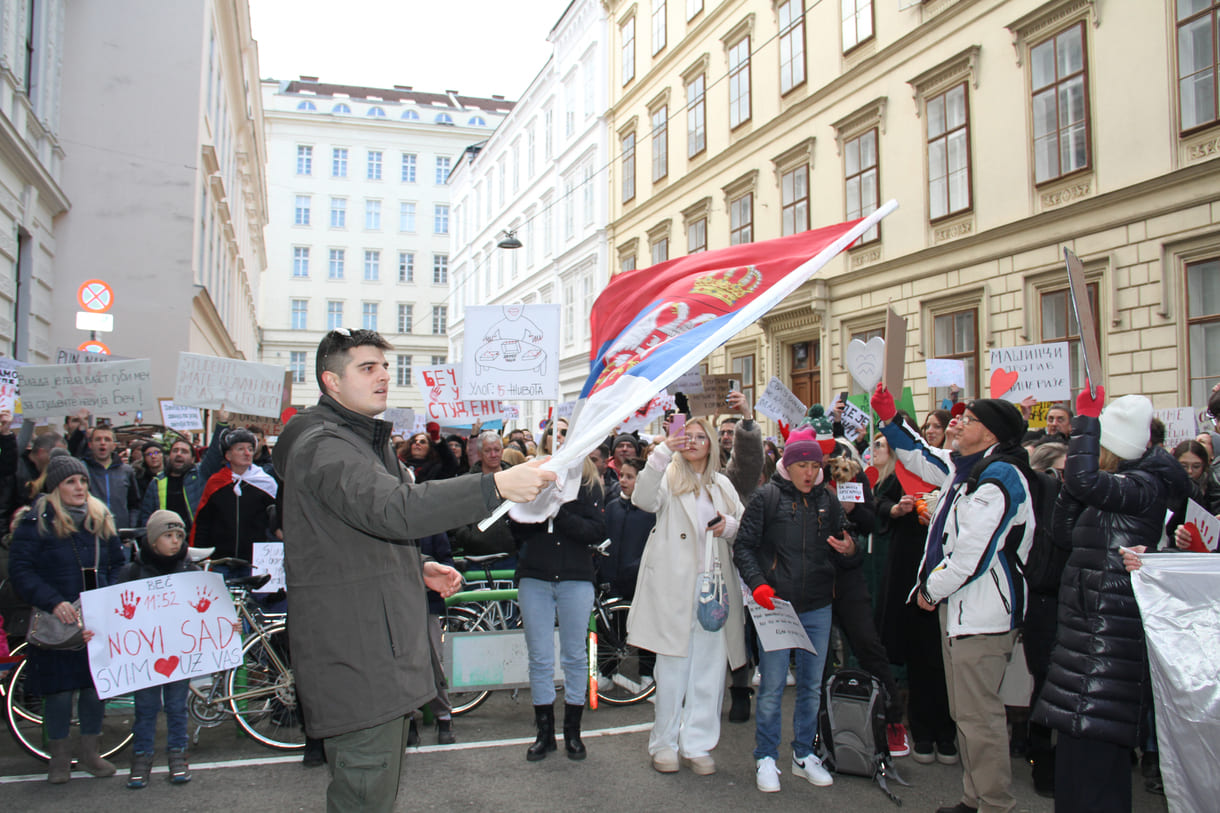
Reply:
x=360, y=226
x=543, y=177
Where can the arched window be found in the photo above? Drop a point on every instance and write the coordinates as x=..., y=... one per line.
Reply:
x=477, y=121
x=307, y=105
x=444, y=118
x=341, y=108
x=410, y=115
x=376, y=112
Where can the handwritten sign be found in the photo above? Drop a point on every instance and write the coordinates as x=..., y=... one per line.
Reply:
x=511, y=352
x=646, y=414
x=779, y=402
x=1204, y=527
x=269, y=558
x=1040, y=370
x=780, y=628
x=711, y=400
x=1038, y=413
x=154, y=631
x=850, y=492
x=239, y=386
x=446, y=401
x=182, y=418
x=8, y=383
x=1181, y=424
x=946, y=372
x=403, y=419
x=689, y=383
x=855, y=422
x=104, y=389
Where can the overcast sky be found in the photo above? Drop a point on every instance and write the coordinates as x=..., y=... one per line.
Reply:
x=478, y=47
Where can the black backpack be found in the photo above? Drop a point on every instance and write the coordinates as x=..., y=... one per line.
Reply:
x=1043, y=568
x=851, y=729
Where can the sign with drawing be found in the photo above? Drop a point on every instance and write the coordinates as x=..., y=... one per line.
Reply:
x=446, y=401
x=511, y=352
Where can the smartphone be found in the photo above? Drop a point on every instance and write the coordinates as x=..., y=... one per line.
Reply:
x=678, y=425
x=843, y=396
x=734, y=385
x=715, y=519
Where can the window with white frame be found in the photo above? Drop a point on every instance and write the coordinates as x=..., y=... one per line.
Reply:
x=794, y=200
x=372, y=214
x=741, y=219
x=586, y=183
x=548, y=134
x=409, y=160
x=372, y=265
x=402, y=370
x=658, y=26
x=791, y=45
x=660, y=143
x=628, y=153
x=373, y=172
x=300, y=213
x=569, y=108
x=440, y=269
x=955, y=335
x=739, y=83
x=659, y=250
x=443, y=163
x=548, y=227
x=569, y=209
x=948, y=153
x=1060, y=104
x=503, y=186
x=569, y=312
x=406, y=318
x=530, y=149
x=862, y=179
x=304, y=159
x=334, y=315
x=696, y=116
x=590, y=88
x=857, y=22
x=338, y=213
x=406, y=216
x=440, y=320
x=335, y=265
x=693, y=7
x=626, y=262
x=296, y=363
x=440, y=218
x=586, y=291
x=406, y=266
x=368, y=316
x=338, y=162
x=300, y=312
x=1198, y=23
x=300, y=261
x=743, y=368
x=1203, y=327
x=696, y=236
x=1059, y=324
x=627, y=38
x=516, y=166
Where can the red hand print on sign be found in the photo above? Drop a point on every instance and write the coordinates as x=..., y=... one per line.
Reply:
x=129, y=607
x=205, y=600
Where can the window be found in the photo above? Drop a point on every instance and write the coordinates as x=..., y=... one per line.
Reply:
x=628, y=167
x=440, y=269
x=296, y=362
x=376, y=113
x=408, y=167
x=659, y=250
x=442, y=169
x=402, y=371
x=696, y=236
x=300, y=310
x=857, y=22
x=626, y=263
x=372, y=265
x=334, y=315
x=406, y=317
x=305, y=105
x=304, y=160
x=587, y=187
x=791, y=45
x=300, y=215
x=338, y=213
x=1203, y=327
x=955, y=336
x=1061, y=111
x=696, y=116
x=1059, y=325
x=341, y=108
x=300, y=261
x=548, y=133
x=741, y=220
x=658, y=26
x=477, y=121
x=743, y=368
x=739, y=83
x=503, y=185
x=439, y=360
x=440, y=218
x=338, y=162
x=440, y=319
x=406, y=266
x=516, y=166
x=368, y=316
x=569, y=312
x=627, y=35
x=410, y=115
x=335, y=267
x=443, y=118
x=569, y=209
x=1197, y=42
x=693, y=7
x=794, y=192
x=372, y=215
x=406, y=217
x=529, y=152
x=373, y=173
x=569, y=111
x=860, y=160
x=948, y=153
x=660, y=143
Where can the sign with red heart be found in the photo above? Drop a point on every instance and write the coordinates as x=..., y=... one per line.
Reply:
x=1040, y=370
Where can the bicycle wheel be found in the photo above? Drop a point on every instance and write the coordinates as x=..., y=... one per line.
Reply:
x=464, y=619
x=624, y=672
x=23, y=709
x=262, y=692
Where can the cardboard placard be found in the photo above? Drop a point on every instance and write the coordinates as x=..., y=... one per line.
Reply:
x=1038, y=413
x=780, y=628
x=1205, y=524
x=212, y=382
x=779, y=403
x=8, y=384
x=511, y=352
x=182, y=418
x=855, y=421
x=269, y=558
x=1039, y=370
x=895, y=350
x=850, y=492
x=446, y=402
x=149, y=632
x=689, y=383
x=1181, y=423
x=711, y=400
x=403, y=419
x=68, y=355
x=271, y=427
x=116, y=389
x=946, y=372
x=1086, y=320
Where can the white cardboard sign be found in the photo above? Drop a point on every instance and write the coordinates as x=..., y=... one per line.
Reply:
x=445, y=399
x=779, y=402
x=269, y=558
x=946, y=372
x=1205, y=522
x=403, y=419
x=114, y=389
x=1181, y=424
x=1040, y=370
x=850, y=492
x=511, y=352
x=8, y=383
x=182, y=418
x=154, y=631
x=212, y=382
x=855, y=421
x=780, y=628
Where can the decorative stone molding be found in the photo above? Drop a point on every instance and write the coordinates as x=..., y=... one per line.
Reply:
x=1048, y=17
x=959, y=67
x=859, y=120
x=700, y=209
x=661, y=98
x=745, y=28
x=800, y=153
x=739, y=186
x=660, y=231
x=697, y=67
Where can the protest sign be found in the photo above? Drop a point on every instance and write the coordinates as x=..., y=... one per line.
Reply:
x=212, y=382
x=564, y=409
x=903, y=403
x=511, y=352
x=778, y=402
x=1086, y=320
x=1038, y=370
x=1203, y=526
x=8, y=384
x=865, y=362
x=107, y=390
x=269, y=558
x=780, y=628
x=855, y=421
x=70, y=355
x=850, y=492
x=946, y=372
x=1038, y=413
x=711, y=400
x=403, y=419
x=895, y=350
x=689, y=383
x=1181, y=423
x=153, y=631
x=182, y=418
x=270, y=427
x=446, y=401
x=646, y=414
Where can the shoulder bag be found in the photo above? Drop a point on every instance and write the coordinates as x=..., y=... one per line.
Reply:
x=47, y=631
x=713, y=607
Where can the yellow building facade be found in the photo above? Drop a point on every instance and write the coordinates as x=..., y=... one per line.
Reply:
x=1007, y=130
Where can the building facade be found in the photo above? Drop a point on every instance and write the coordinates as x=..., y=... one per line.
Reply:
x=1007, y=130
x=360, y=223
x=542, y=176
x=162, y=134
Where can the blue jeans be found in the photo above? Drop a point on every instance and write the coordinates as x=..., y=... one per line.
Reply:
x=773, y=667
x=540, y=602
x=148, y=703
x=57, y=713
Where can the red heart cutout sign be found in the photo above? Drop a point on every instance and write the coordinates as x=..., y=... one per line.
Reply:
x=1002, y=381
x=873, y=475
x=166, y=666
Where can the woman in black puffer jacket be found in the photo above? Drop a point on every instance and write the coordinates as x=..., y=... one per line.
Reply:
x=1115, y=492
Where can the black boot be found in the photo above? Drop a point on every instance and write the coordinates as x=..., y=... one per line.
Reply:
x=571, y=731
x=544, y=719
x=739, y=712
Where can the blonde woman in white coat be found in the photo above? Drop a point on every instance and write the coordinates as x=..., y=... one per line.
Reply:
x=682, y=485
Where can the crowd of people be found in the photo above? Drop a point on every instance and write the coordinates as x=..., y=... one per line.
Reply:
x=976, y=541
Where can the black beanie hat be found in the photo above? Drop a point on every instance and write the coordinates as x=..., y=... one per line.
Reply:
x=1001, y=417
x=60, y=467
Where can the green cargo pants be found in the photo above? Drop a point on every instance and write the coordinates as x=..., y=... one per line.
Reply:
x=365, y=768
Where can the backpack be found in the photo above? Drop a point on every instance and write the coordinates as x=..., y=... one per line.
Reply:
x=851, y=729
x=1043, y=568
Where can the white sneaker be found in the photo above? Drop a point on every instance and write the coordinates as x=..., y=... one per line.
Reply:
x=810, y=768
x=754, y=681
x=791, y=679
x=767, y=776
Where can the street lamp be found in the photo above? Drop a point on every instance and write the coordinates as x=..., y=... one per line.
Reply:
x=510, y=240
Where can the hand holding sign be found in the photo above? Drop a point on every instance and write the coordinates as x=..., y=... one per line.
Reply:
x=1203, y=528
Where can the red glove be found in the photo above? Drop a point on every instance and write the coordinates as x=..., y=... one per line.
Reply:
x=763, y=595
x=883, y=403
x=1087, y=405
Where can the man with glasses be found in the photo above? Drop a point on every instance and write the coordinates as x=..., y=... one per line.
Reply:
x=356, y=580
x=978, y=539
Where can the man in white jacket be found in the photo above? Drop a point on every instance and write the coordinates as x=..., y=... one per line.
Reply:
x=978, y=539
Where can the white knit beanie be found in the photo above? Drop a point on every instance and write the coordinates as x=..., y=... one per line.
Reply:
x=1126, y=426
